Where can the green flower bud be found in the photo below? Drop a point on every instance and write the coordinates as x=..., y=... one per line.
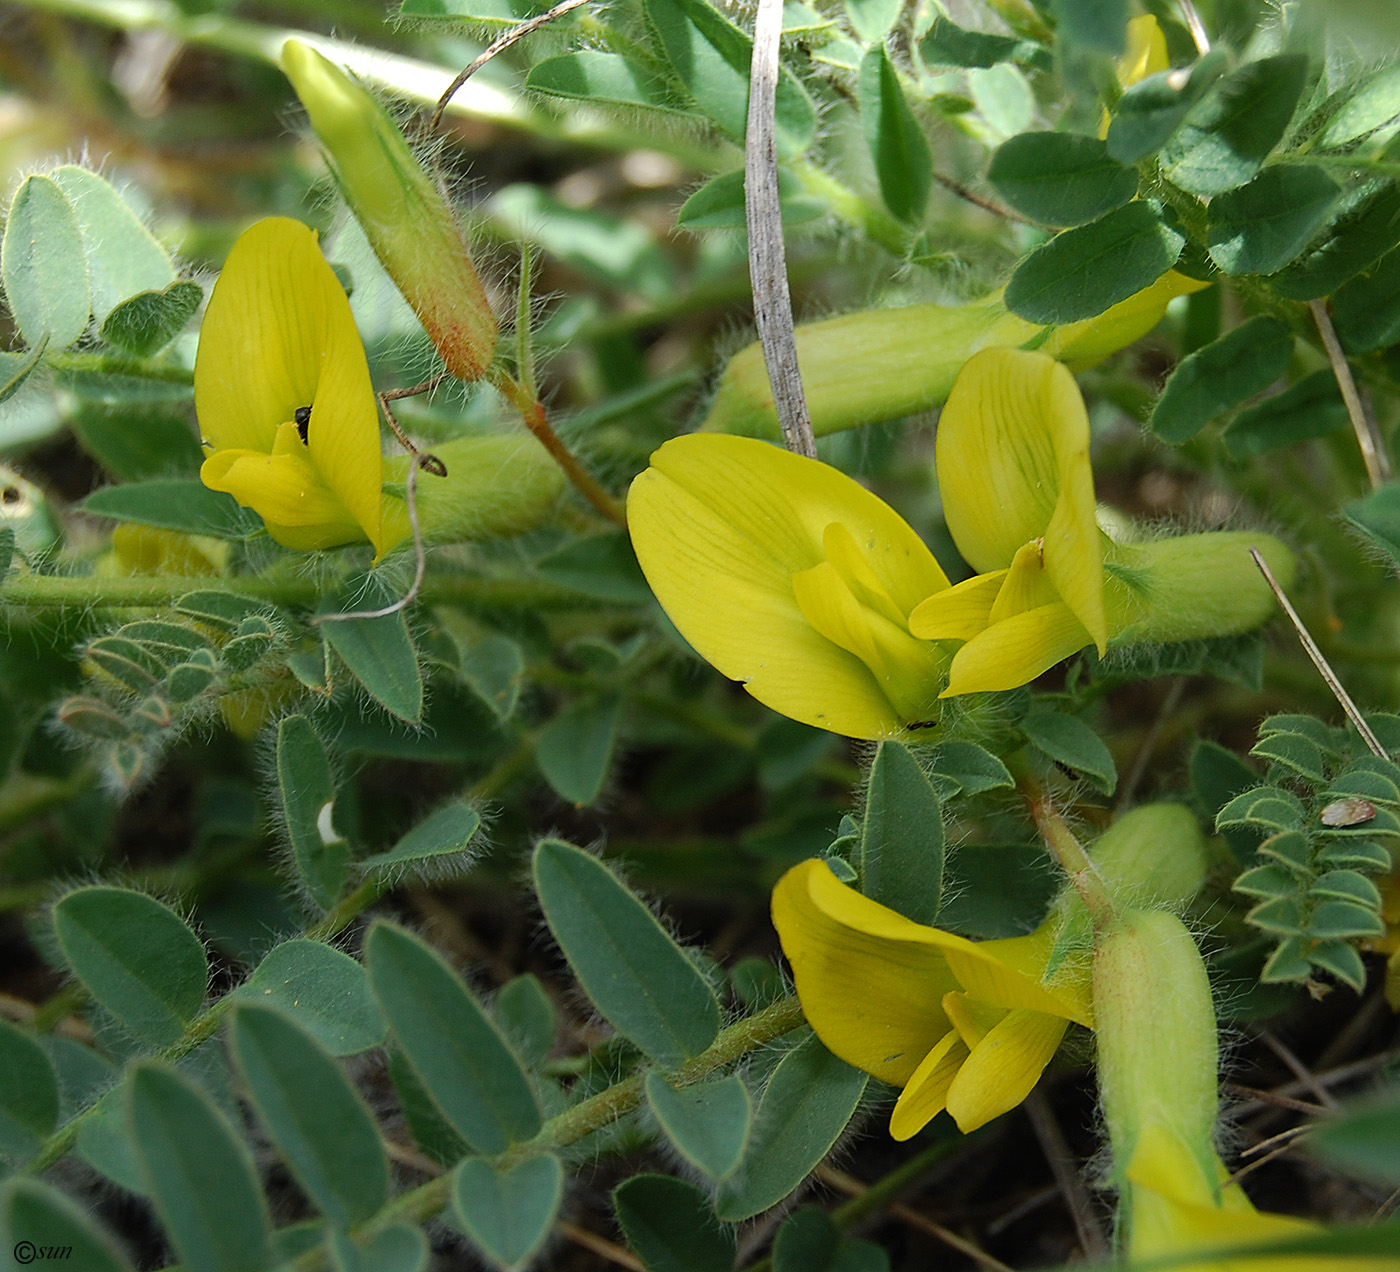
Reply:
x=1155, y=853
x=410, y=226
x=1155, y=1027
x=874, y=365
x=495, y=486
x=1193, y=587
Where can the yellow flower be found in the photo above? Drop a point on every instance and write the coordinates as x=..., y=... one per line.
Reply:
x=789, y=576
x=283, y=394
x=962, y=1025
x=1178, y=1209
x=1018, y=495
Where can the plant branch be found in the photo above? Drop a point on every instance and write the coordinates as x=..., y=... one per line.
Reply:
x=532, y=412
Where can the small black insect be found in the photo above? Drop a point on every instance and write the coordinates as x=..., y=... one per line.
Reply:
x=922, y=724
x=302, y=415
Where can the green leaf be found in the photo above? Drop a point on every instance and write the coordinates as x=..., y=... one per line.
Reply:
x=575, y=749
x=602, y=566
x=809, y=1241
x=1364, y=1140
x=105, y=1143
x=123, y=256
x=1150, y=112
x=1092, y=24
x=440, y=841
x=136, y=957
x=508, y=1213
x=947, y=44
x=198, y=1172
x=1377, y=516
x=1295, y=752
x=319, y=1123
x=1374, y=103
x=31, y=1212
x=524, y=1012
x=1261, y=226
x=1365, y=227
x=134, y=441
x=1266, y=806
x=145, y=323
x=401, y=1247
x=898, y=146
x=426, y=1124
x=1081, y=272
x=15, y=369
x=1311, y=408
x=28, y=1095
x=637, y=976
x=1339, y=959
x=494, y=667
x=871, y=20
x=484, y=13
x=808, y=1102
x=325, y=991
x=974, y=768
x=306, y=794
x=1219, y=377
x=1228, y=135
x=379, y=653
x=455, y=1050
x=1336, y=920
x=175, y=504
x=1366, y=310
x=42, y=267
x=708, y=1122
x=901, y=844
x=710, y=56
x=672, y=1225
x=1060, y=178
x=610, y=78
x=719, y=203
x=1069, y=741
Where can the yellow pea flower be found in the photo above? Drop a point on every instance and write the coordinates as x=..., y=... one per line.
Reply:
x=1018, y=494
x=787, y=575
x=964, y=1025
x=283, y=394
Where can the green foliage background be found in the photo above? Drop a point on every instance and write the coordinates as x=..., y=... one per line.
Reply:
x=303, y=964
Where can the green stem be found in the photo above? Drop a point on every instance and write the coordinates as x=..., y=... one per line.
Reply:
x=1065, y=848
x=532, y=413
x=427, y=1200
x=53, y=591
x=198, y=1031
x=854, y=210
x=114, y=364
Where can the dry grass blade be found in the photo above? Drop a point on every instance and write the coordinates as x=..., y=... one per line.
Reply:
x=772, y=302
x=1324, y=668
x=1363, y=422
x=502, y=41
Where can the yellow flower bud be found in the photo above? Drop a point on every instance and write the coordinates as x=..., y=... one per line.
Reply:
x=408, y=223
